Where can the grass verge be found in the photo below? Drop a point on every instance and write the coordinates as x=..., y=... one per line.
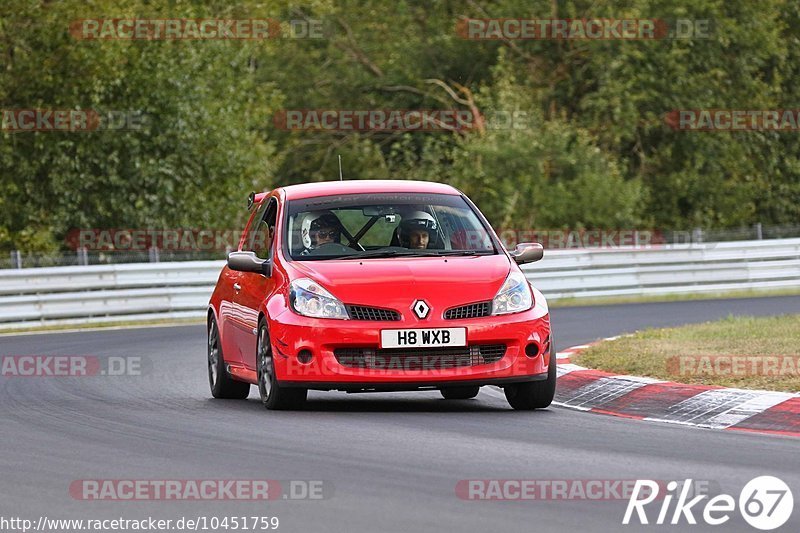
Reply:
x=743, y=352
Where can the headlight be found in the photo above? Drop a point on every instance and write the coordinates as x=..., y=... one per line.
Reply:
x=308, y=298
x=514, y=296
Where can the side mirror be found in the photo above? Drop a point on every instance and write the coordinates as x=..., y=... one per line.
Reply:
x=248, y=262
x=527, y=252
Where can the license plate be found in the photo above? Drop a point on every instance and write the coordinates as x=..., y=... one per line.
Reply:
x=423, y=338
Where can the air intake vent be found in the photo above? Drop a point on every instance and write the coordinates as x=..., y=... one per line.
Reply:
x=360, y=312
x=476, y=310
x=420, y=359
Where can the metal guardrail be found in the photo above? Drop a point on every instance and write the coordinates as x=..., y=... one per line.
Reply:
x=677, y=269
x=134, y=292
x=106, y=293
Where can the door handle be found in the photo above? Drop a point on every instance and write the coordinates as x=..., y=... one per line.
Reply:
x=237, y=287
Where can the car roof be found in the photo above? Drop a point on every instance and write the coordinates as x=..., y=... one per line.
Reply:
x=330, y=188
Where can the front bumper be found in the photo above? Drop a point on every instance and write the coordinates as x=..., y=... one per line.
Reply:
x=292, y=334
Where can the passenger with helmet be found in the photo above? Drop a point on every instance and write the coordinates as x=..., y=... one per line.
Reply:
x=319, y=228
x=417, y=230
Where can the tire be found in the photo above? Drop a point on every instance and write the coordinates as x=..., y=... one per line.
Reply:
x=531, y=395
x=222, y=385
x=459, y=393
x=273, y=395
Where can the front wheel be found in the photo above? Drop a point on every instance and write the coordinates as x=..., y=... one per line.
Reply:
x=534, y=394
x=273, y=395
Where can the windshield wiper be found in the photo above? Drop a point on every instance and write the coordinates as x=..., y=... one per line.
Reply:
x=383, y=253
x=415, y=253
x=461, y=252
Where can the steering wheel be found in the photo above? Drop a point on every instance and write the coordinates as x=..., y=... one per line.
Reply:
x=331, y=248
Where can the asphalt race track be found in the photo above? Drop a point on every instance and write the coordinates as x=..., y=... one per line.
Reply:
x=389, y=462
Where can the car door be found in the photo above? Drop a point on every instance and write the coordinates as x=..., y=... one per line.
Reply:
x=233, y=315
x=255, y=287
x=226, y=287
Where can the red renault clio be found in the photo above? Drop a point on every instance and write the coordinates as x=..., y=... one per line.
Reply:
x=366, y=286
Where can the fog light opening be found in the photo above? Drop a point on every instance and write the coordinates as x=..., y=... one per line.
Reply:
x=304, y=356
x=532, y=349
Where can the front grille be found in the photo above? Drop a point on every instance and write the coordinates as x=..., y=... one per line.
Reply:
x=420, y=358
x=360, y=312
x=476, y=310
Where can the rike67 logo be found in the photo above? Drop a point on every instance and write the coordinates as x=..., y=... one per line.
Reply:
x=765, y=503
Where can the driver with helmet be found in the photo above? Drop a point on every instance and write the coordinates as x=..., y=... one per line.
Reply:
x=320, y=228
x=417, y=230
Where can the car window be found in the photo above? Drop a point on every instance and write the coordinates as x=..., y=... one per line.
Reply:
x=379, y=232
x=252, y=227
x=260, y=236
x=464, y=232
x=361, y=225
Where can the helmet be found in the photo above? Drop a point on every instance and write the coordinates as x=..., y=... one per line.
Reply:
x=416, y=220
x=316, y=220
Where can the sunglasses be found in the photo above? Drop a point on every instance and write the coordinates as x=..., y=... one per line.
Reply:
x=325, y=234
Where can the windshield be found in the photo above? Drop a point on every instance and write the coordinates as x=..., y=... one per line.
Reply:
x=356, y=226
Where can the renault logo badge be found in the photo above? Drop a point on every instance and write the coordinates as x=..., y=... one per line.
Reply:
x=421, y=309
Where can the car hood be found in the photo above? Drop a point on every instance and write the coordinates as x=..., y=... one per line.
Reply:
x=397, y=282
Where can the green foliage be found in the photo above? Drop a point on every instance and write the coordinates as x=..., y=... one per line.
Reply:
x=202, y=144
x=590, y=147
